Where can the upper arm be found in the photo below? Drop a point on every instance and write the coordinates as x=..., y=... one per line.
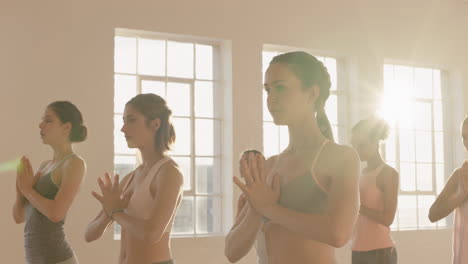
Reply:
x=73, y=173
x=168, y=185
x=451, y=187
x=389, y=180
x=343, y=192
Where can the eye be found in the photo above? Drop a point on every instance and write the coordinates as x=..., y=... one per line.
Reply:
x=280, y=87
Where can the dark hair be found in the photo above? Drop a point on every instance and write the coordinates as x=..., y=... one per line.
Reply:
x=465, y=121
x=153, y=106
x=69, y=113
x=376, y=128
x=311, y=72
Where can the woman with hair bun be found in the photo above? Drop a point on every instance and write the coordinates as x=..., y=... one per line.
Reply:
x=44, y=198
x=378, y=187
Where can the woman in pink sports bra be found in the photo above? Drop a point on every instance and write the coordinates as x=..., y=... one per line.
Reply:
x=454, y=197
x=144, y=204
x=301, y=204
x=378, y=185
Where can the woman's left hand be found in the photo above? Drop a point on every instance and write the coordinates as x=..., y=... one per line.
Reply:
x=259, y=194
x=111, y=198
x=25, y=176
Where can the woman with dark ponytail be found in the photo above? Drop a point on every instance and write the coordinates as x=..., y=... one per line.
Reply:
x=44, y=198
x=145, y=202
x=299, y=205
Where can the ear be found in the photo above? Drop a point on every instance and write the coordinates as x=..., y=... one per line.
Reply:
x=155, y=124
x=67, y=127
x=313, y=93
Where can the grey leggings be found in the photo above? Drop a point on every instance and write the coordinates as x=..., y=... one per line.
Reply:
x=165, y=262
x=378, y=256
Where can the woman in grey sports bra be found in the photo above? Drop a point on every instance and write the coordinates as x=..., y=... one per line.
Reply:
x=144, y=204
x=301, y=204
x=43, y=199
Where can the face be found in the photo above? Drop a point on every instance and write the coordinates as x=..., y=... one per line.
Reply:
x=137, y=131
x=465, y=135
x=287, y=101
x=52, y=129
x=364, y=147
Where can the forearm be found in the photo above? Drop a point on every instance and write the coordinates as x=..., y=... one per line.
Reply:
x=149, y=230
x=442, y=207
x=241, y=238
x=97, y=227
x=46, y=206
x=19, y=209
x=376, y=216
x=327, y=228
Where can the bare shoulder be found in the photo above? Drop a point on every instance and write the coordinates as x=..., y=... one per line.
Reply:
x=270, y=162
x=74, y=163
x=340, y=154
x=170, y=173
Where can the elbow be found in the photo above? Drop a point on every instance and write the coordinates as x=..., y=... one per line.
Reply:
x=432, y=215
x=56, y=217
x=89, y=237
x=18, y=220
x=232, y=258
x=340, y=235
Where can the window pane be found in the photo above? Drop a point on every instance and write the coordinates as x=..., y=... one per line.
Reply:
x=120, y=143
x=390, y=152
x=437, y=84
x=123, y=165
x=407, y=211
x=424, y=146
x=424, y=177
x=185, y=167
x=183, y=223
x=179, y=59
x=183, y=136
x=208, y=175
x=439, y=146
x=407, y=145
x=440, y=177
x=208, y=215
x=283, y=137
x=388, y=73
x=266, y=113
x=124, y=90
x=404, y=79
x=270, y=139
x=407, y=176
x=207, y=142
x=204, y=62
x=332, y=109
x=330, y=63
x=438, y=115
x=125, y=55
x=423, y=118
x=152, y=57
x=155, y=87
x=423, y=82
x=178, y=98
x=424, y=204
x=204, y=99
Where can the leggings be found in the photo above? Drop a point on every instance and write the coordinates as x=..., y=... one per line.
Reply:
x=378, y=256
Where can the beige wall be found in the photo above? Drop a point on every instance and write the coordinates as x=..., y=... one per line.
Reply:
x=64, y=50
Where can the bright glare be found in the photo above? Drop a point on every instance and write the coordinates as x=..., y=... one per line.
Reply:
x=395, y=106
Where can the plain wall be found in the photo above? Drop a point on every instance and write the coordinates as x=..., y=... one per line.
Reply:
x=53, y=50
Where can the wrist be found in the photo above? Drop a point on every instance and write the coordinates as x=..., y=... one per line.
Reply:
x=268, y=211
x=114, y=212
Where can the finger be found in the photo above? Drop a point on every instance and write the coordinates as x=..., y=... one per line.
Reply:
x=107, y=179
x=261, y=168
x=241, y=186
x=115, y=185
x=102, y=185
x=245, y=172
x=29, y=169
x=97, y=196
x=253, y=167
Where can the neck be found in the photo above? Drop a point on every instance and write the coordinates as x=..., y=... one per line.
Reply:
x=150, y=156
x=62, y=150
x=305, y=134
x=375, y=161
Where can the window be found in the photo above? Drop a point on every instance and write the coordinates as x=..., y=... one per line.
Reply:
x=276, y=138
x=185, y=73
x=413, y=106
